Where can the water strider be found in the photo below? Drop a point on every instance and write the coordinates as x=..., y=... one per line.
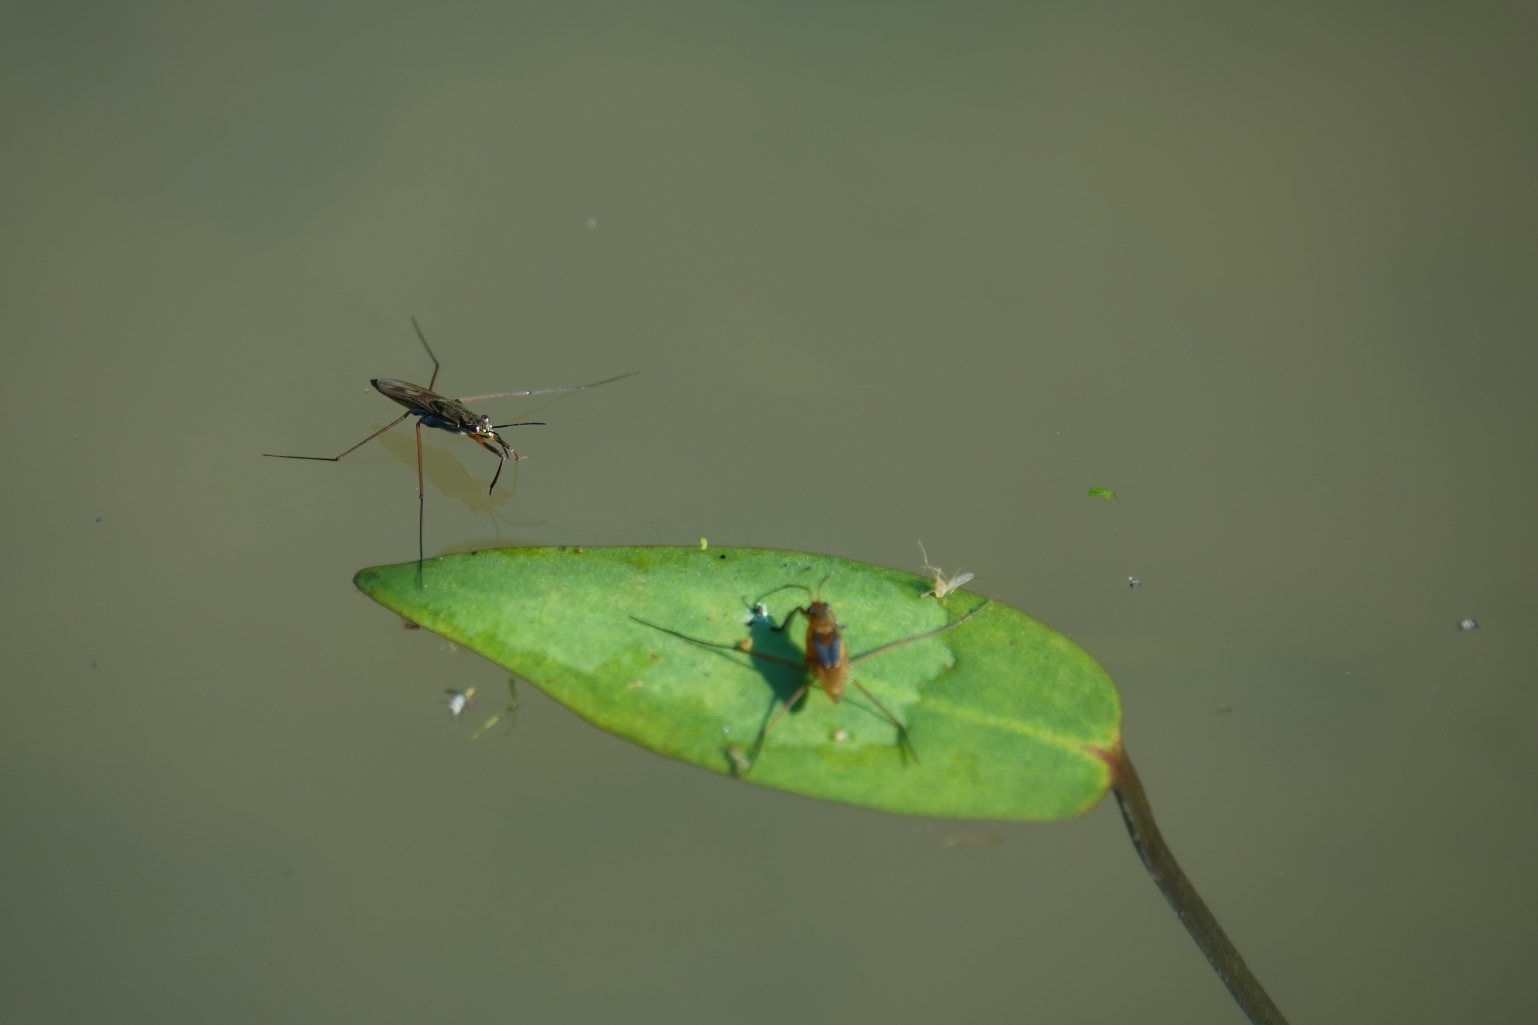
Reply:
x=452, y=415
x=825, y=662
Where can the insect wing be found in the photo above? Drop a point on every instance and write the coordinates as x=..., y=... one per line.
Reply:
x=451, y=410
x=830, y=651
x=957, y=580
x=412, y=396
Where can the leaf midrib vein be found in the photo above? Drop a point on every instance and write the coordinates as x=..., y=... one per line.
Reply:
x=1000, y=722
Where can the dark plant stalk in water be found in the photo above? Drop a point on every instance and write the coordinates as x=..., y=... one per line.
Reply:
x=1177, y=889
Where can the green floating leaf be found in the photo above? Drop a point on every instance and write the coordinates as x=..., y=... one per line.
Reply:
x=1105, y=493
x=1007, y=718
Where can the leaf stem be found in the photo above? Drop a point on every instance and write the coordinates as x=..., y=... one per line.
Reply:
x=1182, y=896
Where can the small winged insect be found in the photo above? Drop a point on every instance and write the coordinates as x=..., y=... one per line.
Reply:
x=1468, y=624
x=826, y=663
x=943, y=586
x=1105, y=493
x=452, y=415
x=459, y=700
x=510, y=712
x=1134, y=582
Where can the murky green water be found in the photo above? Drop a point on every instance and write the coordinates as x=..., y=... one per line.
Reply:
x=891, y=274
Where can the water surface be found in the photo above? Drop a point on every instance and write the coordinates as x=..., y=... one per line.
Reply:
x=892, y=273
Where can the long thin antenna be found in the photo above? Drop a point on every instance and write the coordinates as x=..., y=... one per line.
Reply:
x=430, y=355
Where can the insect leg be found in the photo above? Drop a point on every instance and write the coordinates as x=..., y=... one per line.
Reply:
x=501, y=461
x=791, y=702
x=919, y=637
x=783, y=625
x=430, y=355
x=543, y=391
x=510, y=450
x=779, y=713
x=421, y=505
x=332, y=459
x=723, y=647
x=902, y=731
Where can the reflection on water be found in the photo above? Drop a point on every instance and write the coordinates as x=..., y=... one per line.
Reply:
x=446, y=474
x=444, y=470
